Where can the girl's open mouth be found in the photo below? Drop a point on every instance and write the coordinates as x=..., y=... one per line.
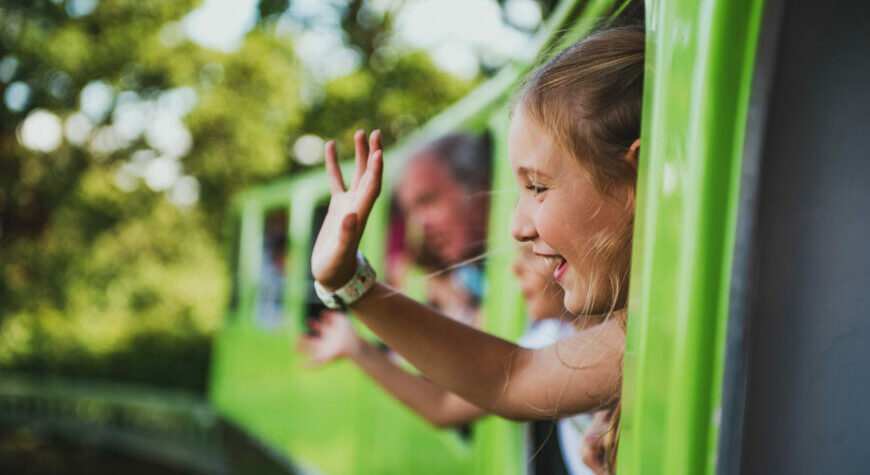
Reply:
x=559, y=262
x=561, y=268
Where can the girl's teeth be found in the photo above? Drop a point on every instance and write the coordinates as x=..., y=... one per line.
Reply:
x=553, y=260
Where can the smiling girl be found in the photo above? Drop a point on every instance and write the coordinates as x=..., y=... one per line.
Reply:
x=573, y=146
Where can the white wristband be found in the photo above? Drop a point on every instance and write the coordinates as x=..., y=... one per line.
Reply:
x=361, y=282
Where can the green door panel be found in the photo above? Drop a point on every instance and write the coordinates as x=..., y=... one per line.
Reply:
x=700, y=57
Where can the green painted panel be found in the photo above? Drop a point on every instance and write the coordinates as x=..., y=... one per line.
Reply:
x=700, y=57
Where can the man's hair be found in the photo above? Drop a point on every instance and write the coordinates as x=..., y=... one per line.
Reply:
x=466, y=157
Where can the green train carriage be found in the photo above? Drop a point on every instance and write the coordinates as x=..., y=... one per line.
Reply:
x=726, y=81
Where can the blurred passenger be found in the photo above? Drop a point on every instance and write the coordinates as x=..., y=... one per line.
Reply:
x=270, y=299
x=549, y=322
x=443, y=196
x=444, y=191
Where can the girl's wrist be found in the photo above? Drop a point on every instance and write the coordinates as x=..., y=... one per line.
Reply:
x=339, y=279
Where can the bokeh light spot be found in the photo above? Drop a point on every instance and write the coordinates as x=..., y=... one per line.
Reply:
x=106, y=140
x=525, y=14
x=167, y=134
x=8, y=68
x=58, y=84
x=185, y=192
x=161, y=173
x=41, y=131
x=77, y=128
x=80, y=8
x=126, y=178
x=308, y=149
x=17, y=96
x=96, y=100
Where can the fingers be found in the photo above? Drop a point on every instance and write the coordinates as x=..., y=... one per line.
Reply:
x=364, y=153
x=316, y=325
x=374, y=142
x=362, y=156
x=371, y=183
x=336, y=182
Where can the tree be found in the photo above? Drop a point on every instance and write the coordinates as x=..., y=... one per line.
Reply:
x=111, y=257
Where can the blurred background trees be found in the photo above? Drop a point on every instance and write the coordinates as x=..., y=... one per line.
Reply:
x=124, y=134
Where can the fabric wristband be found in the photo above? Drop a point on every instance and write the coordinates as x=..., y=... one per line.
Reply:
x=361, y=282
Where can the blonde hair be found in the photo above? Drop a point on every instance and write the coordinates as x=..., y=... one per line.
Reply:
x=588, y=99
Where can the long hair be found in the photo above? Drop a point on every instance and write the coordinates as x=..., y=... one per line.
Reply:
x=588, y=99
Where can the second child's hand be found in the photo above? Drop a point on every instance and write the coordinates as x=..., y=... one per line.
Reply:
x=333, y=259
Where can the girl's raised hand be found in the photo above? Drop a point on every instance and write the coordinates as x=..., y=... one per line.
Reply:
x=333, y=260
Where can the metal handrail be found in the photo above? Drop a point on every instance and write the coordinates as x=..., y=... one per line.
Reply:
x=172, y=426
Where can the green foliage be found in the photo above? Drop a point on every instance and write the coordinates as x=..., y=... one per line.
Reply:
x=111, y=281
x=369, y=99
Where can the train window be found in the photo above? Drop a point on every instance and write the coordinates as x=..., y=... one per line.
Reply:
x=313, y=306
x=270, y=298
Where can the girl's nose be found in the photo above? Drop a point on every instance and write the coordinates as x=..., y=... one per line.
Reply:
x=522, y=227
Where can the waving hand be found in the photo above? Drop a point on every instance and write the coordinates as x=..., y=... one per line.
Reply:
x=333, y=261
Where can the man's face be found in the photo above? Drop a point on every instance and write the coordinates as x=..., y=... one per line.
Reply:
x=449, y=217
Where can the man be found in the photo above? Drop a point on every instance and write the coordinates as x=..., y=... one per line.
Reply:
x=444, y=189
x=444, y=194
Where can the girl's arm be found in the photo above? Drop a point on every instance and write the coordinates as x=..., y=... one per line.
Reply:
x=578, y=374
x=336, y=339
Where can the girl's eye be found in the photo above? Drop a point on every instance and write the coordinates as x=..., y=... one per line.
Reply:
x=536, y=189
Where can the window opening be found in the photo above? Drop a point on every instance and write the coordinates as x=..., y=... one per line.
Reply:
x=270, y=300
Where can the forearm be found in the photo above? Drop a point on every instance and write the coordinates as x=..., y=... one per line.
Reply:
x=499, y=377
x=468, y=362
x=438, y=406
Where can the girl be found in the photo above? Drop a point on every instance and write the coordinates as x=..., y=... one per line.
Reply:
x=573, y=147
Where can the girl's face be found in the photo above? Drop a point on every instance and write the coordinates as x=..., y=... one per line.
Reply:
x=543, y=297
x=560, y=212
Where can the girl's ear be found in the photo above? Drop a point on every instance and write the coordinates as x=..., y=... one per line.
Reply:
x=633, y=153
